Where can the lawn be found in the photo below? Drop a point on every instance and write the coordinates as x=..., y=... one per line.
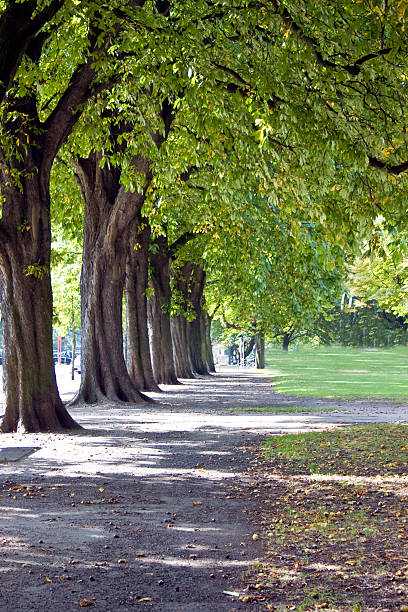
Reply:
x=336, y=372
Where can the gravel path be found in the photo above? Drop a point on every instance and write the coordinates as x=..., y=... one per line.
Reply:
x=138, y=510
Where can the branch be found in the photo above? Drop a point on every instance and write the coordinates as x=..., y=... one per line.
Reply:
x=353, y=68
x=184, y=239
x=17, y=29
x=244, y=87
x=231, y=325
x=390, y=168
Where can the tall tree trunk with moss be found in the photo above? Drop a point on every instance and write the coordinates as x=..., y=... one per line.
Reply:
x=181, y=349
x=137, y=281
x=158, y=306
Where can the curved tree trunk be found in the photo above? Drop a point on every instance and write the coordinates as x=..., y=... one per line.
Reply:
x=260, y=350
x=181, y=351
x=158, y=308
x=196, y=338
x=110, y=210
x=208, y=343
x=31, y=396
x=138, y=360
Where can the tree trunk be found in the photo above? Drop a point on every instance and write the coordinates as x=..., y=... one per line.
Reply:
x=138, y=348
x=260, y=350
x=181, y=351
x=195, y=327
x=286, y=341
x=208, y=343
x=109, y=211
x=179, y=324
x=31, y=396
x=159, y=316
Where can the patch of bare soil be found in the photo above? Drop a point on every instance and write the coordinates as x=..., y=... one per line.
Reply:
x=153, y=506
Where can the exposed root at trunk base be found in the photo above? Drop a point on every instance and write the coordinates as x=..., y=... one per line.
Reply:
x=82, y=399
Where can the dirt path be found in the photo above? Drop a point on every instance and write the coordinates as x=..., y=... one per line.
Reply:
x=139, y=511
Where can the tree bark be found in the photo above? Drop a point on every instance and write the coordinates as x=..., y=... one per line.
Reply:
x=208, y=344
x=196, y=333
x=260, y=350
x=109, y=212
x=31, y=396
x=159, y=315
x=137, y=278
x=179, y=323
x=179, y=332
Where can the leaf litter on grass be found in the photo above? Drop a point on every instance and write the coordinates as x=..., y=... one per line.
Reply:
x=333, y=511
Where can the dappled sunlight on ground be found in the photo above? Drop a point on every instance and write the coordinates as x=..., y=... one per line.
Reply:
x=152, y=501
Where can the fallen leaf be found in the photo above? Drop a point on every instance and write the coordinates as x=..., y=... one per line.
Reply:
x=145, y=599
x=86, y=602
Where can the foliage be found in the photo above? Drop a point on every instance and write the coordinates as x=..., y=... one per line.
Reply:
x=381, y=274
x=280, y=276
x=363, y=325
x=65, y=276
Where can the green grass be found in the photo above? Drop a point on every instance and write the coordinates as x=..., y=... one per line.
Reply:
x=336, y=372
x=280, y=409
x=375, y=449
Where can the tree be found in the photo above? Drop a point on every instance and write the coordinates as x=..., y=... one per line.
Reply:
x=286, y=276
x=36, y=120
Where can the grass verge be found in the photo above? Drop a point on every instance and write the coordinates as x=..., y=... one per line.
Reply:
x=281, y=409
x=336, y=540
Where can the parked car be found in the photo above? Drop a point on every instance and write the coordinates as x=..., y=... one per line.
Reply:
x=77, y=364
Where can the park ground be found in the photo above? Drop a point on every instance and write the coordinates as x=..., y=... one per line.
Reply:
x=180, y=506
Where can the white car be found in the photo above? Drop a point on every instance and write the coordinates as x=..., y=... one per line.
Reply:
x=77, y=364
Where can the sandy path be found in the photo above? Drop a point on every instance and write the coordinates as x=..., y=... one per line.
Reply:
x=138, y=510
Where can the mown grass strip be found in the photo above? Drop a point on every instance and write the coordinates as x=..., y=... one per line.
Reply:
x=337, y=372
x=281, y=409
x=375, y=449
